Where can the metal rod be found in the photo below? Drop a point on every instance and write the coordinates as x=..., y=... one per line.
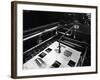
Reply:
x=59, y=51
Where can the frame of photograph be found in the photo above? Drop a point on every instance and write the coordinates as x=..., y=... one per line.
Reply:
x=17, y=38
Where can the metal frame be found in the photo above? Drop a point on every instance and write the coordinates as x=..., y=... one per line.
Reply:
x=14, y=37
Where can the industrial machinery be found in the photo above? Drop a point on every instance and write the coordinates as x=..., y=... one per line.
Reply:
x=53, y=48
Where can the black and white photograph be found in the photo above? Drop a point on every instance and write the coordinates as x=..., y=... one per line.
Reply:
x=56, y=39
x=53, y=39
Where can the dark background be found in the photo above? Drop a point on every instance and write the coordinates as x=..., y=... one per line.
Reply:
x=32, y=19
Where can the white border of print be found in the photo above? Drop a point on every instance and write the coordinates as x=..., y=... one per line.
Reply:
x=24, y=72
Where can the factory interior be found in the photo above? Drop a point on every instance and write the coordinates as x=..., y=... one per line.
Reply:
x=56, y=39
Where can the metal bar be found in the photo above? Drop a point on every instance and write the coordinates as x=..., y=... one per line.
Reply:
x=39, y=33
x=38, y=45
